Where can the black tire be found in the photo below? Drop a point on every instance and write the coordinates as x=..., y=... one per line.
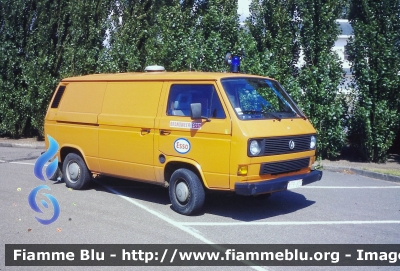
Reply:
x=186, y=192
x=75, y=172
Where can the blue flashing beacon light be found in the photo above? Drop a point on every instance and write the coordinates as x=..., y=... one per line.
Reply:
x=233, y=61
x=235, y=66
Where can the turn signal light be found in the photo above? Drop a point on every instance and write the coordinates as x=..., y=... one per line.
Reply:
x=242, y=170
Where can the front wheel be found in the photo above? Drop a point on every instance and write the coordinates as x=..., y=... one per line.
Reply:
x=186, y=192
x=75, y=172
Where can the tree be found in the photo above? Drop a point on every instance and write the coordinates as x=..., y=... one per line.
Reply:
x=68, y=43
x=251, y=61
x=175, y=42
x=275, y=26
x=345, y=10
x=38, y=50
x=86, y=35
x=321, y=73
x=375, y=56
x=192, y=35
x=217, y=25
x=18, y=26
x=131, y=30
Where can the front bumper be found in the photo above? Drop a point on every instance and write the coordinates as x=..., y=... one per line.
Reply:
x=275, y=185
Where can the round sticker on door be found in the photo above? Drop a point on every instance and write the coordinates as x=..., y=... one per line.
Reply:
x=182, y=145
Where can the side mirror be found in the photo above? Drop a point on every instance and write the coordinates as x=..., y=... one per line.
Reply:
x=195, y=111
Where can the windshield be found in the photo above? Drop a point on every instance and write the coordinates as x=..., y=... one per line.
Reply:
x=258, y=98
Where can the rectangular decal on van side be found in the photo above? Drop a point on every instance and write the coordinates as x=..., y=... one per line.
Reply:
x=185, y=125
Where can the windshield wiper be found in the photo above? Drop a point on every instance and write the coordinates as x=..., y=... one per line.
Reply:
x=275, y=115
x=303, y=116
x=300, y=115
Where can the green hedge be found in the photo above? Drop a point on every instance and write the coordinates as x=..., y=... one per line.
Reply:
x=44, y=41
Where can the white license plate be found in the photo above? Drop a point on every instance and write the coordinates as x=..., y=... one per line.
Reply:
x=294, y=184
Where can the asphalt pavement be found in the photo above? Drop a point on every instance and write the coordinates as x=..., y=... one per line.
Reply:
x=340, y=209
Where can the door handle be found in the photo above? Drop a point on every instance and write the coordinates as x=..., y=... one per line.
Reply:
x=145, y=131
x=165, y=132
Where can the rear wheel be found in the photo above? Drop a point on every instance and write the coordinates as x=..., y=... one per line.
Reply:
x=186, y=192
x=75, y=172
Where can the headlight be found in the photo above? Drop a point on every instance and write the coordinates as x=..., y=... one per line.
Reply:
x=313, y=142
x=254, y=147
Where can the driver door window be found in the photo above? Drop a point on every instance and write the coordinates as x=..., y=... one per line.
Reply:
x=181, y=96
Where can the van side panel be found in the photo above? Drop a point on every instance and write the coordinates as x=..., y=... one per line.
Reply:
x=81, y=102
x=126, y=129
x=77, y=119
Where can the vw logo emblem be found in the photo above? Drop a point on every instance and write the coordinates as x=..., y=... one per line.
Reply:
x=291, y=144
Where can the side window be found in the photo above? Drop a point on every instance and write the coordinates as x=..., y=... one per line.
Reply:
x=182, y=95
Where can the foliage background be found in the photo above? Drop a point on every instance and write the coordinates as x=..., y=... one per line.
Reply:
x=43, y=41
x=375, y=53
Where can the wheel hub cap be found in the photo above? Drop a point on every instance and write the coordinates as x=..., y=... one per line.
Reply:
x=182, y=192
x=73, y=171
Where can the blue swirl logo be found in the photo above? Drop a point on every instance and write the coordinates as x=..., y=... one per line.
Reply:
x=49, y=171
x=35, y=207
x=46, y=156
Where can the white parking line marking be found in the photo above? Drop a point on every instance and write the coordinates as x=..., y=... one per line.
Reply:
x=289, y=223
x=350, y=187
x=22, y=163
x=172, y=222
x=2, y=161
x=157, y=214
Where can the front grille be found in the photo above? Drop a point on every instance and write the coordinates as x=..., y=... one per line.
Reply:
x=281, y=145
x=284, y=166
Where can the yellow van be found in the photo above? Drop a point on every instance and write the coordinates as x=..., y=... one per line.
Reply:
x=189, y=131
